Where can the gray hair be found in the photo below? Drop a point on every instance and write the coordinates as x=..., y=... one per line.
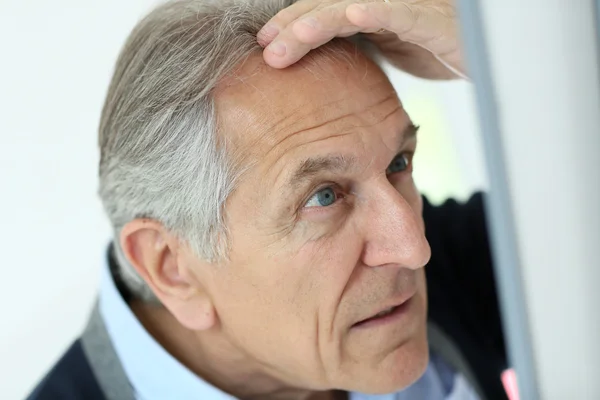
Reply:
x=161, y=157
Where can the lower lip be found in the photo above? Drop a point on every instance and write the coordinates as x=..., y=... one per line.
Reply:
x=395, y=316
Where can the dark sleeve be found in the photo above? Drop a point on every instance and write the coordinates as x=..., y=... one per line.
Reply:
x=70, y=379
x=462, y=292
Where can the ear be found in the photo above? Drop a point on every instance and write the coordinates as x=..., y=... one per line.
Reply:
x=163, y=263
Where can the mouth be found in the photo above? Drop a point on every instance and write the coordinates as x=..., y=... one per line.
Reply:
x=387, y=315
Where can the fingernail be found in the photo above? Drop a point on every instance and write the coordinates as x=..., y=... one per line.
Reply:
x=277, y=48
x=310, y=21
x=362, y=6
x=268, y=31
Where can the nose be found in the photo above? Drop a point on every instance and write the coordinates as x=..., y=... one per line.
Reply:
x=393, y=230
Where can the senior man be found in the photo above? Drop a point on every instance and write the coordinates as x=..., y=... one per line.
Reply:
x=270, y=242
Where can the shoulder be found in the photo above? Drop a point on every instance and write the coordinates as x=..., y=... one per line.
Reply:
x=71, y=378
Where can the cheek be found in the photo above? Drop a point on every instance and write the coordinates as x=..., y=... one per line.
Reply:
x=333, y=262
x=327, y=256
x=296, y=273
x=296, y=289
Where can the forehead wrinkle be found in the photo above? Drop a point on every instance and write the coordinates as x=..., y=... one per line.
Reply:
x=392, y=96
x=401, y=137
x=292, y=135
x=260, y=126
x=404, y=135
x=266, y=124
x=265, y=116
x=274, y=121
x=284, y=171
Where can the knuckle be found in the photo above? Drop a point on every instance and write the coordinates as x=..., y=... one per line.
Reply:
x=285, y=16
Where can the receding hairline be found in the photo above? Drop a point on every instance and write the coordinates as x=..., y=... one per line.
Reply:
x=339, y=49
x=324, y=63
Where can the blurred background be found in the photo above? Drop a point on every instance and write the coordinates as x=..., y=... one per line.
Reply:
x=56, y=61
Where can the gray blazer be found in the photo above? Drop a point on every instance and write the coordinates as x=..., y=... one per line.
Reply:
x=104, y=361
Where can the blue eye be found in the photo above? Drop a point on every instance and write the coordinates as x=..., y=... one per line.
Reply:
x=323, y=198
x=398, y=164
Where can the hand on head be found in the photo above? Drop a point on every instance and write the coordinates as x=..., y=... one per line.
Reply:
x=416, y=36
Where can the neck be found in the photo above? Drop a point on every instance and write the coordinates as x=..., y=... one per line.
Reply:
x=217, y=361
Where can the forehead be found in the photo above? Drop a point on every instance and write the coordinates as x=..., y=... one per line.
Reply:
x=265, y=112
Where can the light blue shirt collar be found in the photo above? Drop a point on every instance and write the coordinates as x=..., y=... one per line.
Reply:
x=152, y=371
x=156, y=375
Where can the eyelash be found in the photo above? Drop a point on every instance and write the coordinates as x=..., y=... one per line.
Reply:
x=339, y=193
x=409, y=156
x=336, y=188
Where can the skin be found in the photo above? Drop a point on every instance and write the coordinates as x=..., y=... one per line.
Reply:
x=277, y=320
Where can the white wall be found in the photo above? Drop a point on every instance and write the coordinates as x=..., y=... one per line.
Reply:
x=55, y=63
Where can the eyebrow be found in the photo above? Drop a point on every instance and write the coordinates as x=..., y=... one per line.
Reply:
x=337, y=162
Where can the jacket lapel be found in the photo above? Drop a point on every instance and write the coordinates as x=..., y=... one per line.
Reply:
x=104, y=361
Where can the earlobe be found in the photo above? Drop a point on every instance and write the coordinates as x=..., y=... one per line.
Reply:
x=198, y=314
x=160, y=260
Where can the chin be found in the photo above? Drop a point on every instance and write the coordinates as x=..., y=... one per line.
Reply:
x=401, y=368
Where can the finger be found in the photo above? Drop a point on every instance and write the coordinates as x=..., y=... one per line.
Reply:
x=310, y=31
x=321, y=25
x=282, y=19
x=285, y=50
x=425, y=25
